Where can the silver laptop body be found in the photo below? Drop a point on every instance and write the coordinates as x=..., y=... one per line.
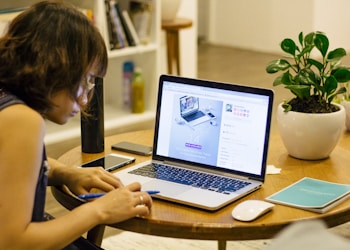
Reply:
x=215, y=162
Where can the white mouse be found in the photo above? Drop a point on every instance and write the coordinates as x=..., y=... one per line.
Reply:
x=251, y=209
x=179, y=121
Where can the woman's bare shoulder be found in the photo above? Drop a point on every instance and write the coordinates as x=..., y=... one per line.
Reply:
x=20, y=116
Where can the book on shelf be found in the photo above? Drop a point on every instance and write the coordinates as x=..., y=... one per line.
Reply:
x=112, y=33
x=312, y=194
x=141, y=15
x=131, y=27
x=117, y=34
x=115, y=37
x=125, y=26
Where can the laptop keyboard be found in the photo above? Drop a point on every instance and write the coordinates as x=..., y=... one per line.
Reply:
x=193, y=116
x=207, y=181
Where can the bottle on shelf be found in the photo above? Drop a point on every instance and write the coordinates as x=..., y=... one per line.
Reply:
x=137, y=90
x=128, y=74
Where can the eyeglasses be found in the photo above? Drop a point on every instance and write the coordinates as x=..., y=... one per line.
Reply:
x=87, y=84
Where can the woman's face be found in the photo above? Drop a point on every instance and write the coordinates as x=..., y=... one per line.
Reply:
x=65, y=107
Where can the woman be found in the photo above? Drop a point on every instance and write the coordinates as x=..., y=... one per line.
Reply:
x=48, y=60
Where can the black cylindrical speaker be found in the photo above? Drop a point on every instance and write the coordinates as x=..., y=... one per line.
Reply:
x=92, y=125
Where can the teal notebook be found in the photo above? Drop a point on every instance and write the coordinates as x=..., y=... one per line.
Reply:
x=311, y=194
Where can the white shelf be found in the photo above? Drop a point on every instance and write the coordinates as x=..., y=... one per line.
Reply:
x=114, y=120
x=130, y=51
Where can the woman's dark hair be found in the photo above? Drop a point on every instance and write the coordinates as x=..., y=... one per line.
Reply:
x=49, y=47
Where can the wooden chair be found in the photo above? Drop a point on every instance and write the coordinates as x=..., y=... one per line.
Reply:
x=172, y=29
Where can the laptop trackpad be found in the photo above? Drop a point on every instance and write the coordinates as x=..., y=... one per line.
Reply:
x=166, y=189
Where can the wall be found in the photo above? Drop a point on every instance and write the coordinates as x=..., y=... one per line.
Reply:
x=261, y=25
x=16, y=4
x=203, y=20
x=333, y=18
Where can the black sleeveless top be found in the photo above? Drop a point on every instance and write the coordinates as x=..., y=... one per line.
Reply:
x=40, y=192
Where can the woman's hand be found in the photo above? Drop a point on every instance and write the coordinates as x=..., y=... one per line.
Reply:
x=122, y=204
x=82, y=180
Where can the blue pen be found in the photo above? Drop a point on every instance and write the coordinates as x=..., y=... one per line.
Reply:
x=96, y=195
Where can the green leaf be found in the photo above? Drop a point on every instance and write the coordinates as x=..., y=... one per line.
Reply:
x=316, y=63
x=301, y=91
x=277, y=65
x=336, y=54
x=289, y=46
x=306, y=77
x=305, y=50
x=277, y=81
x=341, y=90
x=301, y=38
x=322, y=43
x=286, y=107
x=330, y=85
x=309, y=40
x=287, y=78
x=342, y=74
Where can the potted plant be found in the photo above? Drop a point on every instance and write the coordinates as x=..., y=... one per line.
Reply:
x=312, y=73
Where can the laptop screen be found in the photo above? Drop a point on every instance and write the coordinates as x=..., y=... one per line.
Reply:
x=188, y=105
x=228, y=131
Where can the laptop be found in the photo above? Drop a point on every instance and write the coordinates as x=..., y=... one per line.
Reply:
x=190, y=112
x=216, y=162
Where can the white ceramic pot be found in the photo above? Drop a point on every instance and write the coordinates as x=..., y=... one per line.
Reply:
x=346, y=105
x=169, y=9
x=310, y=136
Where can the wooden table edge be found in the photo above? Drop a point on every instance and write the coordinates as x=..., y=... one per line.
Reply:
x=207, y=231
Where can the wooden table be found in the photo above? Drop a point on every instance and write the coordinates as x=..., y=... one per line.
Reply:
x=178, y=221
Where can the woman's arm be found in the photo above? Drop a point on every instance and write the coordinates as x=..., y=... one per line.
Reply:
x=21, y=143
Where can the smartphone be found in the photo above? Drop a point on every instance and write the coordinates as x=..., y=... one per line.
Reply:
x=211, y=115
x=132, y=148
x=110, y=162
